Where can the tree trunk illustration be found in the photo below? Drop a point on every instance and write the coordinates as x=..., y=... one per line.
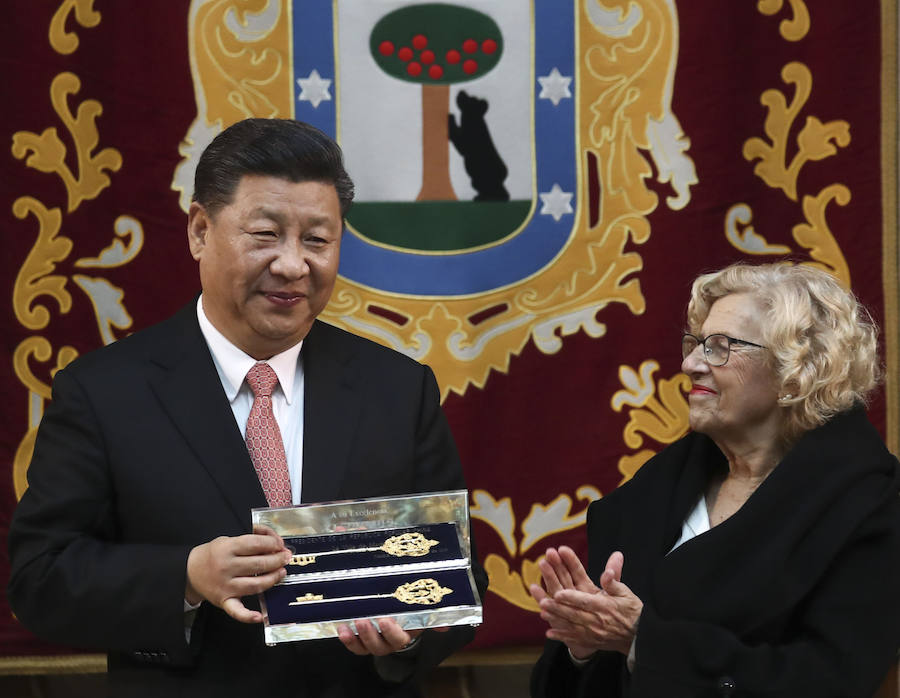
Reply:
x=436, y=185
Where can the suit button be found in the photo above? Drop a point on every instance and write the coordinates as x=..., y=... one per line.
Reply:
x=726, y=686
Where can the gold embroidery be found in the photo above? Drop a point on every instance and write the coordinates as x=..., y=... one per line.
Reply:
x=816, y=236
x=39, y=391
x=542, y=521
x=630, y=464
x=35, y=277
x=792, y=29
x=40, y=349
x=815, y=141
x=664, y=419
x=512, y=586
x=48, y=152
x=66, y=42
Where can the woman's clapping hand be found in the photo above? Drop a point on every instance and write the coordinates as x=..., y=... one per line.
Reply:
x=585, y=617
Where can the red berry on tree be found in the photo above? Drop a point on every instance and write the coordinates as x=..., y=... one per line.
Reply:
x=453, y=56
x=470, y=46
x=489, y=46
x=427, y=57
x=435, y=72
x=470, y=67
x=414, y=69
x=419, y=42
x=405, y=53
x=386, y=48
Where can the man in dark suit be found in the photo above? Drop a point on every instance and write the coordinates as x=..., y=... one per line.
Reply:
x=134, y=535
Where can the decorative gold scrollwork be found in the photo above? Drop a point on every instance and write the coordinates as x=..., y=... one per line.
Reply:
x=35, y=277
x=792, y=29
x=66, y=42
x=510, y=585
x=40, y=349
x=39, y=391
x=664, y=419
x=816, y=236
x=48, y=153
x=816, y=141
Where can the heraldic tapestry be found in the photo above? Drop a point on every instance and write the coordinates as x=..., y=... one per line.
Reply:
x=538, y=182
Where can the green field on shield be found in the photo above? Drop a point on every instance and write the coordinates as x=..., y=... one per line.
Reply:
x=437, y=225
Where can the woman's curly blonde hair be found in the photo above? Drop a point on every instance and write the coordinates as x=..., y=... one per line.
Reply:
x=823, y=342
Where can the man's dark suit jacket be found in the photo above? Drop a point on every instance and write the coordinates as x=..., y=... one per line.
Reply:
x=138, y=459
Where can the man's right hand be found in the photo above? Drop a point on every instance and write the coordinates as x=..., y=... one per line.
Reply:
x=225, y=569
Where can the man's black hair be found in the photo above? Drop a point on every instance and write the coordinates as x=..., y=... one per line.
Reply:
x=284, y=148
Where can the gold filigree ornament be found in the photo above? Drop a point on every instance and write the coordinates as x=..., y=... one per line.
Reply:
x=48, y=153
x=36, y=277
x=792, y=29
x=409, y=544
x=659, y=411
x=66, y=42
x=38, y=393
x=542, y=521
x=816, y=236
x=240, y=57
x=816, y=140
x=422, y=592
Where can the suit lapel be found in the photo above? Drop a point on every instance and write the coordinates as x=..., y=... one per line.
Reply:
x=331, y=411
x=190, y=391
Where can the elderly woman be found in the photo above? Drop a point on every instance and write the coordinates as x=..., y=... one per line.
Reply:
x=760, y=554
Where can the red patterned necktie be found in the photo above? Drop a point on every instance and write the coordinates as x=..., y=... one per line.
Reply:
x=264, y=438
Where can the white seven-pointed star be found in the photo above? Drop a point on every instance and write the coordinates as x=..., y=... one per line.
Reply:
x=554, y=87
x=556, y=202
x=314, y=89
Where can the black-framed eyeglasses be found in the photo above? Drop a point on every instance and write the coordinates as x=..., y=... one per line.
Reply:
x=716, y=347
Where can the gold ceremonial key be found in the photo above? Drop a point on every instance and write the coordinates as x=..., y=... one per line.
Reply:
x=409, y=544
x=425, y=592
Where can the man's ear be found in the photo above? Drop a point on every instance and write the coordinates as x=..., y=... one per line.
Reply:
x=197, y=229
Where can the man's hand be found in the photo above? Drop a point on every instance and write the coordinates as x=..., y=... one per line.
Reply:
x=392, y=637
x=225, y=569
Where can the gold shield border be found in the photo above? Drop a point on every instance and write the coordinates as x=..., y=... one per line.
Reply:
x=240, y=58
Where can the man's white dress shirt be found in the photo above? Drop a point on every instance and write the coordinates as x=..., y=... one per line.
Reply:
x=232, y=365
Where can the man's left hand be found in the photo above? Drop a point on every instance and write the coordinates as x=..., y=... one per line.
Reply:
x=392, y=637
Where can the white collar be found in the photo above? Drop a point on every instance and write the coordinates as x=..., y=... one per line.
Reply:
x=235, y=363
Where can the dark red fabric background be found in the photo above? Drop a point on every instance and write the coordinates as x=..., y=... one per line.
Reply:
x=545, y=426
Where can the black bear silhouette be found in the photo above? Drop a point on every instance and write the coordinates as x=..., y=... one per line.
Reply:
x=473, y=142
